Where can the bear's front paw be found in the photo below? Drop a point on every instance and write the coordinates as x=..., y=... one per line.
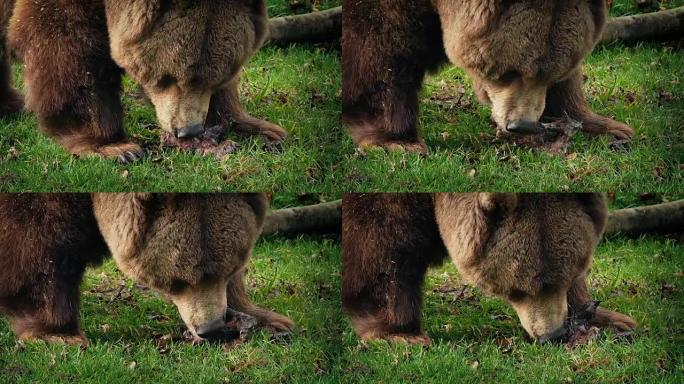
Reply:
x=273, y=134
x=619, y=130
x=608, y=318
x=278, y=322
x=409, y=338
x=599, y=125
x=124, y=153
x=397, y=146
x=76, y=340
x=421, y=339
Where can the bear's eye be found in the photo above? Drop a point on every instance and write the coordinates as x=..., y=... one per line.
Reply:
x=178, y=286
x=165, y=82
x=516, y=295
x=509, y=76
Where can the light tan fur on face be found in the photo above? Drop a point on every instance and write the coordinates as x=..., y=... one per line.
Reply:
x=186, y=247
x=203, y=305
x=514, y=52
x=526, y=249
x=542, y=315
x=180, y=107
x=518, y=100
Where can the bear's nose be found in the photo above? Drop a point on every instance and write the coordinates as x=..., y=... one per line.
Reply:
x=190, y=131
x=207, y=330
x=524, y=127
x=555, y=336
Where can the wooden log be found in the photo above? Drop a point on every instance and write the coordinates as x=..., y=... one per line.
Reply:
x=660, y=218
x=663, y=25
x=319, y=218
x=315, y=26
x=327, y=217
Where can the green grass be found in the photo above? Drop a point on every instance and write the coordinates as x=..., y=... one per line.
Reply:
x=299, y=87
x=298, y=278
x=623, y=82
x=643, y=278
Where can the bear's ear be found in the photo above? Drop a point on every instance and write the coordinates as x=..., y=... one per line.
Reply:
x=607, y=4
x=498, y=201
x=596, y=206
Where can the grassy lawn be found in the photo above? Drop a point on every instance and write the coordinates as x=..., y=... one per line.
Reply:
x=475, y=338
x=299, y=278
x=625, y=82
x=296, y=87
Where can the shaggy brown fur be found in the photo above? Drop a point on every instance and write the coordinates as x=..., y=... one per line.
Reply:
x=531, y=250
x=186, y=56
x=45, y=243
x=524, y=58
x=187, y=247
x=10, y=101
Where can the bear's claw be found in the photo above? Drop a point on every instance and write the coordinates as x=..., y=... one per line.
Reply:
x=124, y=153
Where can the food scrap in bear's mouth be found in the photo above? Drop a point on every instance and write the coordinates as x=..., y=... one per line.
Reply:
x=553, y=136
x=580, y=330
x=208, y=143
x=239, y=328
x=581, y=335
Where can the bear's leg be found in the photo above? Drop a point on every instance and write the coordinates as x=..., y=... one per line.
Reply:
x=56, y=318
x=387, y=48
x=225, y=105
x=11, y=101
x=72, y=84
x=579, y=298
x=389, y=242
x=239, y=301
x=567, y=97
x=390, y=306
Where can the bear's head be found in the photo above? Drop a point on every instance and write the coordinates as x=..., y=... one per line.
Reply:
x=186, y=247
x=181, y=52
x=515, y=51
x=525, y=248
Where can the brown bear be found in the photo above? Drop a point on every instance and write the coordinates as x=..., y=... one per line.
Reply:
x=532, y=250
x=191, y=248
x=187, y=56
x=524, y=58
